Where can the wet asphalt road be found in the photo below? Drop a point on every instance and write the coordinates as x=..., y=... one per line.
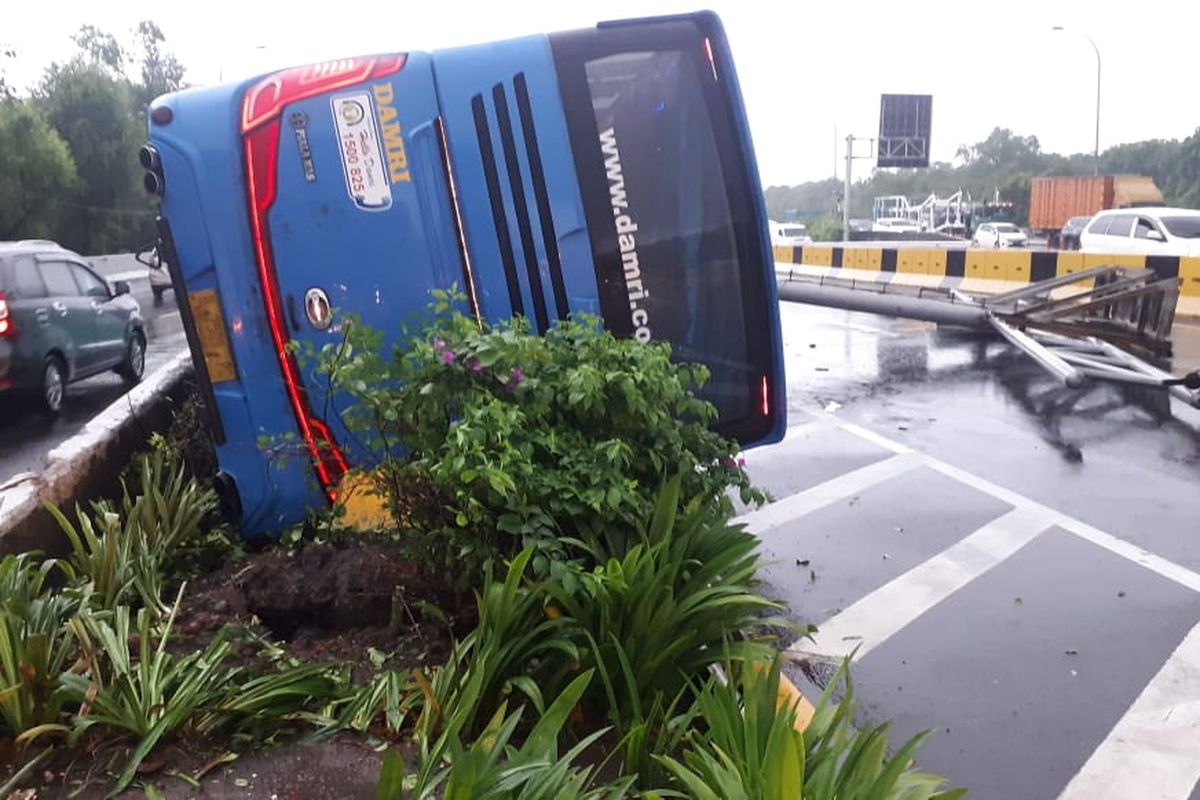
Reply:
x=26, y=436
x=1017, y=563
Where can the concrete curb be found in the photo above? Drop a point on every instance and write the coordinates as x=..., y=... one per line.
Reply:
x=89, y=463
x=791, y=697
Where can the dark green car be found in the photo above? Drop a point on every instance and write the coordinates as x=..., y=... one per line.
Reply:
x=61, y=322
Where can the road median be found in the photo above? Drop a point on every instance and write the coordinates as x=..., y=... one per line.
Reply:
x=88, y=464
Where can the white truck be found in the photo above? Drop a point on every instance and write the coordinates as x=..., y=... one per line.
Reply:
x=789, y=234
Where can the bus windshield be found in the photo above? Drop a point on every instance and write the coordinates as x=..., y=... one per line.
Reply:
x=672, y=231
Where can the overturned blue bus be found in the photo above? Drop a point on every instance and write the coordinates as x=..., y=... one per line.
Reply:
x=607, y=170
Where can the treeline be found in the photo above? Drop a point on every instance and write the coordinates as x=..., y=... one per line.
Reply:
x=1003, y=163
x=68, y=147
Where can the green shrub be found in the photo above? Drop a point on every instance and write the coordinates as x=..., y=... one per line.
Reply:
x=750, y=749
x=36, y=646
x=391, y=696
x=492, y=766
x=103, y=552
x=648, y=610
x=825, y=229
x=137, y=685
x=111, y=553
x=169, y=505
x=495, y=438
x=115, y=551
x=680, y=598
x=515, y=647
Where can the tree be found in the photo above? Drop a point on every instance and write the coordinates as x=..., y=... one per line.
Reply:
x=94, y=112
x=88, y=119
x=1014, y=187
x=101, y=49
x=1003, y=149
x=1184, y=189
x=36, y=173
x=161, y=72
x=805, y=201
x=7, y=92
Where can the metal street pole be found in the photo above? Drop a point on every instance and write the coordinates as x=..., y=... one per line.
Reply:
x=1092, y=42
x=846, y=191
x=1097, y=154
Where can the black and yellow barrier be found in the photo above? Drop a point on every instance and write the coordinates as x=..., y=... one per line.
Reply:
x=984, y=270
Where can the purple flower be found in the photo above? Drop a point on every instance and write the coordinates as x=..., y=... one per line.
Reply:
x=517, y=377
x=438, y=344
x=728, y=462
x=448, y=356
x=474, y=364
x=741, y=462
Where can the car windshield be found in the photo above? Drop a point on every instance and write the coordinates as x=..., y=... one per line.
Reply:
x=1006, y=228
x=797, y=230
x=1183, y=227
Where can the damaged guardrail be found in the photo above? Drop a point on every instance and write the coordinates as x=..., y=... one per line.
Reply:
x=1094, y=324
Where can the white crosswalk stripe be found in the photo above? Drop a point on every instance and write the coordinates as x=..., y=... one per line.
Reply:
x=1154, y=750
x=884, y=612
x=847, y=485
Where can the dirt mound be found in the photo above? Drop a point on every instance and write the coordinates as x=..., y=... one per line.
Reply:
x=327, y=588
x=331, y=602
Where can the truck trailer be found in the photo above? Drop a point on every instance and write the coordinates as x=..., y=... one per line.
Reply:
x=1054, y=200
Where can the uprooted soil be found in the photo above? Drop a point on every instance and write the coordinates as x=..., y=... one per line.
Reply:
x=332, y=603
x=365, y=605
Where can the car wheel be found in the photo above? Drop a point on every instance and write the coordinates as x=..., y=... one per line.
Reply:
x=135, y=359
x=54, y=387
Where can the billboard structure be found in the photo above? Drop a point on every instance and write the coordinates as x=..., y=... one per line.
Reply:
x=904, y=123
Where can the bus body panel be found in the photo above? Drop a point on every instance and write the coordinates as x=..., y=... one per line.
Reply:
x=472, y=82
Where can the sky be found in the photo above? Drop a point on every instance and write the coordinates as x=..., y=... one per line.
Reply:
x=811, y=73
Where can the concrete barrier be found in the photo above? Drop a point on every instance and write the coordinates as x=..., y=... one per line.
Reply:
x=88, y=465
x=979, y=270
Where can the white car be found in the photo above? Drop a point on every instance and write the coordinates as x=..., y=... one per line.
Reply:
x=999, y=234
x=1151, y=231
x=789, y=234
x=895, y=225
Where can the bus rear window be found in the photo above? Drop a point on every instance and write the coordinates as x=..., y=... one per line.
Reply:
x=679, y=276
